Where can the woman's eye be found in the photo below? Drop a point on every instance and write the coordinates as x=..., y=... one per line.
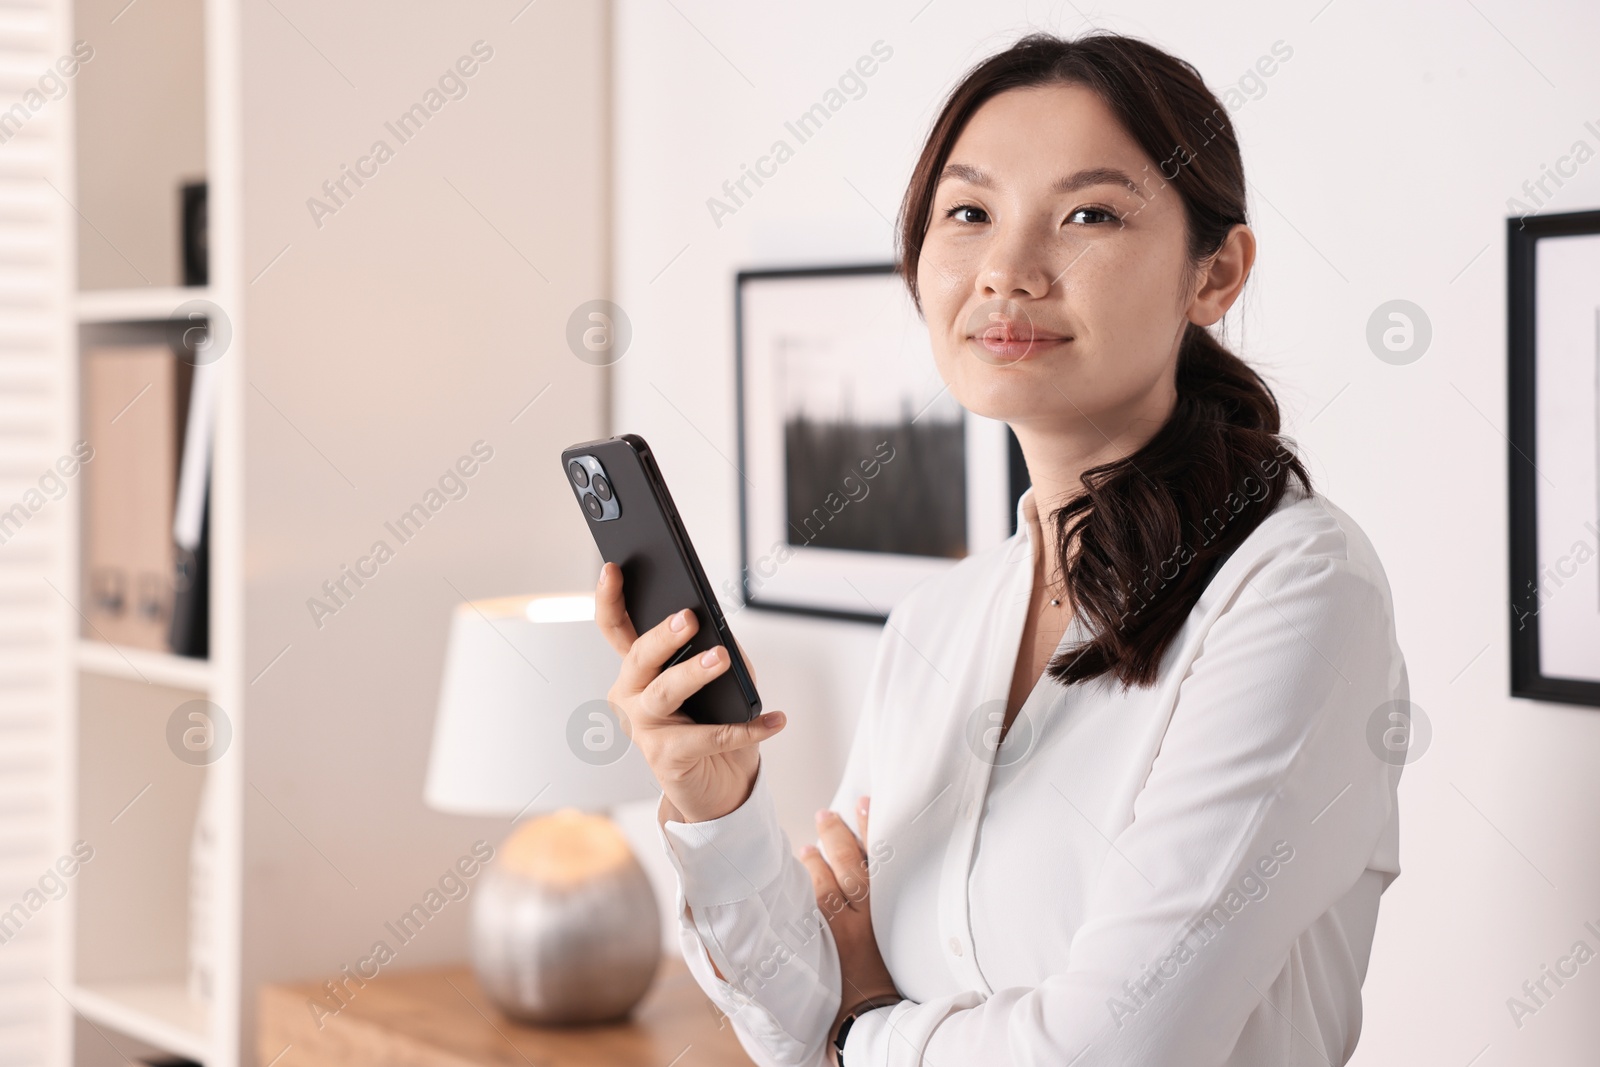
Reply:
x=950, y=214
x=1105, y=215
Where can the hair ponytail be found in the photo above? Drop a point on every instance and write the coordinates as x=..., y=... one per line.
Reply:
x=1150, y=526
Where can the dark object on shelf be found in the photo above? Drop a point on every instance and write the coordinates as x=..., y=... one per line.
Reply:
x=196, y=260
x=190, y=633
x=1554, y=437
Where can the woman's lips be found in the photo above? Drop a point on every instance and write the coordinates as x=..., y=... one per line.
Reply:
x=1012, y=348
x=1002, y=331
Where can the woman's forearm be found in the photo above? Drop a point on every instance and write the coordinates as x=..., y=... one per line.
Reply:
x=746, y=902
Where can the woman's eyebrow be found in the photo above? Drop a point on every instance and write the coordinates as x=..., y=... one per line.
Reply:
x=1082, y=179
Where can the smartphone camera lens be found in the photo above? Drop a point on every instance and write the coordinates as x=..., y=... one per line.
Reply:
x=580, y=477
x=592, y=506
x=602, y=488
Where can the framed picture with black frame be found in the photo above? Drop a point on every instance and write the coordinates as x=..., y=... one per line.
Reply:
x=860, y=475
x=1554, y=456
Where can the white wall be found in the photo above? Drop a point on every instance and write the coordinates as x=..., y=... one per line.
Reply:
x=1380, y=156
x=422, y=317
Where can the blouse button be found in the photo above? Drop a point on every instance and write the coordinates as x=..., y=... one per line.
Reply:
x=955, y=945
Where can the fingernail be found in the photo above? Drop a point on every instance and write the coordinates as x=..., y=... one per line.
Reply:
x=711, y=656
x=822, y=814
x=862, y=807
x=679, y=621
x=603, y=573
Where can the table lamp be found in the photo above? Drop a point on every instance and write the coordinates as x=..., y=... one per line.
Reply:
x=564, y=923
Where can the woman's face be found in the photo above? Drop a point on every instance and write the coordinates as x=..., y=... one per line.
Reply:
x=1051, y=286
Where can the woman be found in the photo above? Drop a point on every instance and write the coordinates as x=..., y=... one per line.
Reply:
x=1127, y=805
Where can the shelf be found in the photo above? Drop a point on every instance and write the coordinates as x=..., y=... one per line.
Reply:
x=157, y=1012
x=135, y=305
x=142, y=665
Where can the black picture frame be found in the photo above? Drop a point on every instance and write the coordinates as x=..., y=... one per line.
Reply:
x=1538, y=584
x=987, y=446
x=194, y=242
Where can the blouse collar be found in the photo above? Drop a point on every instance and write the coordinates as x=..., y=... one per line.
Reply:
x=1028, y=516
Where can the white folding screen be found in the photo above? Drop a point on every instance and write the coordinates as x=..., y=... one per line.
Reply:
x=38, y=517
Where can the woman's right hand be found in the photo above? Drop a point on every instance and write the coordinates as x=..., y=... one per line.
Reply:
x=705, y=770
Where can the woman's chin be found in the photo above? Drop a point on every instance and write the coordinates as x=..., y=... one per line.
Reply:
x=1006, y=395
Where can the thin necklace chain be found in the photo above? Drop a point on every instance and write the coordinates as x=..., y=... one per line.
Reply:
x=1055, y=601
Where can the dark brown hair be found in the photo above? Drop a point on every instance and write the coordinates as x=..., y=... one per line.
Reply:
x=1148, y=527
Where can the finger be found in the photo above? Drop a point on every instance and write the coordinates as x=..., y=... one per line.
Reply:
x=660, y=700
x=609, y=613
x=824, y=887
x=861, y=819
x=656, y=646
x=845, y=856
x=664, y=693
x=694, y=741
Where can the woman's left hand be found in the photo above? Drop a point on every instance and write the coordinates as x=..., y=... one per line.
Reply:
x=841, y=882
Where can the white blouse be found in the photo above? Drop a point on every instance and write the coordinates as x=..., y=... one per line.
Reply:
x=1185, y=874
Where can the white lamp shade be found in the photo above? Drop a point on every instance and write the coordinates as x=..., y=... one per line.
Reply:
x=523, y=723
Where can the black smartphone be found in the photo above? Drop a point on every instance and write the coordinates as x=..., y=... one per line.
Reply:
x=635, y=525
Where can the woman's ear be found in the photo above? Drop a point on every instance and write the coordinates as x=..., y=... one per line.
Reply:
x=1222, y=277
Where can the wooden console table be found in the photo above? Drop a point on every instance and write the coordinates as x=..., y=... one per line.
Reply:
x=439, y=1018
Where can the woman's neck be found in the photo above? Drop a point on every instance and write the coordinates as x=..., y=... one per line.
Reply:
x=1058, y=452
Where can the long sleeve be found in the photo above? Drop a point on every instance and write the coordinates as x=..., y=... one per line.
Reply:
x=755, y=915
x=1259, y=814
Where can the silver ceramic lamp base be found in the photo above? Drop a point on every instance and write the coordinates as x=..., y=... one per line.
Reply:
x=565, y=927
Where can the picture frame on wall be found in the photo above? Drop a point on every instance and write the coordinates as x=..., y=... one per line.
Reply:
x=860, y=475
x=1554, y=456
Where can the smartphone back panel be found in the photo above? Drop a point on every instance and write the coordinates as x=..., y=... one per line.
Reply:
x=660, y=572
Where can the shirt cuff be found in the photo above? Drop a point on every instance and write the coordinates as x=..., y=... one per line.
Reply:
x=868, y=1039
x=732, y=858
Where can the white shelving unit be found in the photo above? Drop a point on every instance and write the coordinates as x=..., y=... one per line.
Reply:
x=158, y=1013
x=140, y=665
x=154, y=304
x=123, y=965
x=370, y=349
